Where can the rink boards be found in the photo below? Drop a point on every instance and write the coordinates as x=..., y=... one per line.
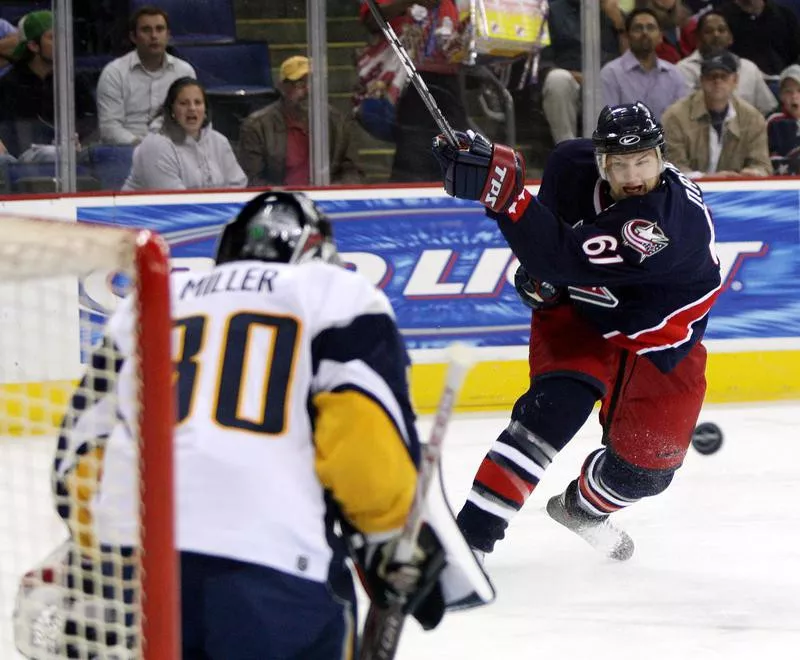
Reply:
x=449, y=274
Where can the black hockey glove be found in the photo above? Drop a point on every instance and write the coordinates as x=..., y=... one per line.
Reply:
x=494, y=174
x=535, y=293
x=415, y=582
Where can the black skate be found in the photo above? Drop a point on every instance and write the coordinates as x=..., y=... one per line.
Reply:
x=598, y=531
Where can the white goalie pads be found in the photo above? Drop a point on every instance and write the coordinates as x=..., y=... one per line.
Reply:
x=464, y=583
x=44, y=605
x=40, y=608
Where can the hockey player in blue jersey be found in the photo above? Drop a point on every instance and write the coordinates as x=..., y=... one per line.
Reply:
x=293, y=412
x=617, y=260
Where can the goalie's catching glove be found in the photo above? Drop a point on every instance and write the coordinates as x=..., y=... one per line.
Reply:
x=536, y=294
x=494, y=174
x=415, y=583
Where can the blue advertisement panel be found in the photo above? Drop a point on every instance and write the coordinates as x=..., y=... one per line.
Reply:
x=449, y=273
x=758, y=236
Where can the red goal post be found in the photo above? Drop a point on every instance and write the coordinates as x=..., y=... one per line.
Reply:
x=58, y=281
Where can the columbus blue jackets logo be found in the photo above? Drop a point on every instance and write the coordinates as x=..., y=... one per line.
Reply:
x=644, y=236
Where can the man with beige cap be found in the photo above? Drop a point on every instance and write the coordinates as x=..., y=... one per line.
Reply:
x=274, y=146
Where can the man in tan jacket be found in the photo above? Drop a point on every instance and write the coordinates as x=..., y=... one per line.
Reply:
x=274, y=147
x=712, y=132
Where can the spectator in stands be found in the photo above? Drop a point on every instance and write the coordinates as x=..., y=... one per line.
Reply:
x=428, y=28
x=696, y=8
x=27, y=107
x=713, y=34
x=639, y=75
x=764, y=32
x=712, y=131
x=672, y=17
x=8, y=42
x=783, y=127
x=187, y=153
x=132, y=88
x=274, y=146
x=561, y=90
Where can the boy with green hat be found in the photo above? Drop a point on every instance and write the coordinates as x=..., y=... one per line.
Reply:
x=27, y=95
x=32, y=27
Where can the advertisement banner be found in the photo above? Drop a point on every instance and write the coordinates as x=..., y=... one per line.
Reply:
x=449, y=273
x=758, y=236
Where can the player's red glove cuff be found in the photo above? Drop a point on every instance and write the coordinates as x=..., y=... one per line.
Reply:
x=505, y=179
x=493, y=174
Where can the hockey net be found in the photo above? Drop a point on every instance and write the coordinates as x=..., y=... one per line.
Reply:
x=59, y=281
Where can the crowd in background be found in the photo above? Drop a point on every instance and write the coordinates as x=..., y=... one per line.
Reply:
x=722, y=76
x=718, y=74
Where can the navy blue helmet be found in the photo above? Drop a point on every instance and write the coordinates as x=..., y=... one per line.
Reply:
x=627, y=128
x=278, y=226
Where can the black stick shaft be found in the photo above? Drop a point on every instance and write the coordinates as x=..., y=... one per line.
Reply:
x=382, y=630
x=413, y=74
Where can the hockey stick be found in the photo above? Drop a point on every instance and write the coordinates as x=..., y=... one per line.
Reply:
x=416, y=79
x=383, y=625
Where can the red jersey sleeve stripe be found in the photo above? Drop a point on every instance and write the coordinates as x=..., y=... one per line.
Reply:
x=517, y=208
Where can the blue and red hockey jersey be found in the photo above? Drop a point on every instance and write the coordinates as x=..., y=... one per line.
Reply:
x=643, y=270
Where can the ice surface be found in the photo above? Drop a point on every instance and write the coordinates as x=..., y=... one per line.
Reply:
x=716, y=573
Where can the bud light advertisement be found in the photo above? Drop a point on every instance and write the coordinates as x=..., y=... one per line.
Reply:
x=449, y=274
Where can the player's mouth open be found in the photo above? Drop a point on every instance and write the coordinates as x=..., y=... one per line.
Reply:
x=634, y=190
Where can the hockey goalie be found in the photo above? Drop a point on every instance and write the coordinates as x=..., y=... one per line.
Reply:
x=294, y=422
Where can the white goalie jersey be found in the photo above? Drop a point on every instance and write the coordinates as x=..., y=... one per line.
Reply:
x=264, y=353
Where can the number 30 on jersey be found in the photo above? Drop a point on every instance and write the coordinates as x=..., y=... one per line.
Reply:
x=237, y=370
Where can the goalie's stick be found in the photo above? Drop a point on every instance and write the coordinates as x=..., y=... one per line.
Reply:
x=413, y=75
x=383, y=625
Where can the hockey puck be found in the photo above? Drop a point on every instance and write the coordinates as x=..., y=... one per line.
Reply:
x=707, y=438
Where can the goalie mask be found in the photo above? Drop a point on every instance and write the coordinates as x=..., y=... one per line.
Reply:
x=278, y=226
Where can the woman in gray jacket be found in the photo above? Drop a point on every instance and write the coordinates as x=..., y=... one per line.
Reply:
x=187, y=153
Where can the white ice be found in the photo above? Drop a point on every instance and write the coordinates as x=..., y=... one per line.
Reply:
x=715, y=575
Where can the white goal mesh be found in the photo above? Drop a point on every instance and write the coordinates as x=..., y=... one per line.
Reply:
x=62, y=593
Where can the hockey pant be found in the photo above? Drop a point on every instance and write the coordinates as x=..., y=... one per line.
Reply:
x=647, y=419
x=233, y=610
